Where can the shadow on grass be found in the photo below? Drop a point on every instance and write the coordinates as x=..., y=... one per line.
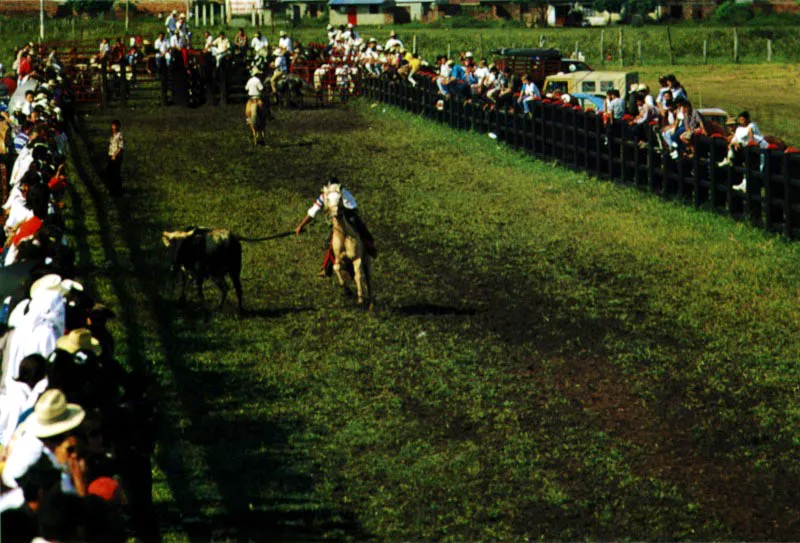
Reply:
x=236, y=474
x=433, y=310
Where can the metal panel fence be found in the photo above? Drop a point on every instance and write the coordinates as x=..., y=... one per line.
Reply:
x=579, y=140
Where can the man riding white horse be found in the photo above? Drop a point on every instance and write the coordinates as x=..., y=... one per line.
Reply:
x=351, y=215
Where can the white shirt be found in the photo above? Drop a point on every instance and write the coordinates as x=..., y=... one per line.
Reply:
x=21, y=165
x=445, y=70
x=177, y=41
x=742, y=134
x=254, y=87
x=392, y=42
x=161, y=46
x=481, y=72
x=280, y=63
x=530, y=90
x=285, y=43
x=347, y=199
x=257, y=44
x=222, y=45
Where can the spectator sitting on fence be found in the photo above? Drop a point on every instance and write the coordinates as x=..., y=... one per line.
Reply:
x=495, y=83
x=160, y=56
x=445, y=69
x=675, y=88
x=647, y=113
x=746, y=133
x=220, y=48
x=259, y=43
x=693, y=122
x=528, y=93
x=240, y=42
x=479, y=75
x=663, y=89
x=370, y=58
x=664, y=109
x=410, y=68
x=671, y=122
x=505, y=96
x=614, y=107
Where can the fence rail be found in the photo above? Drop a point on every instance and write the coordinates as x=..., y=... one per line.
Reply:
x=578, y=139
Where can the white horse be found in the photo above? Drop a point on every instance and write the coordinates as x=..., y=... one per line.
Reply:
x=347, y=246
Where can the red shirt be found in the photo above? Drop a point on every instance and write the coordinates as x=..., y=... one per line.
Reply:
x=11, y=84
x=24, y=67
x=27, y=229
x=58, y=182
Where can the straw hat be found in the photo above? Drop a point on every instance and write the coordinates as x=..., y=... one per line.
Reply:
x=79, y=339
x=51, y=282
x=283, y=33
x=255, y=71
x=52, y=415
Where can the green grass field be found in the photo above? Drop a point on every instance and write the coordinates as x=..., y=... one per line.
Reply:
x=554, y=357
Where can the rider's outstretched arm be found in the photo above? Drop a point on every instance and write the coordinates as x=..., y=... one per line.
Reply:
x=307, y=219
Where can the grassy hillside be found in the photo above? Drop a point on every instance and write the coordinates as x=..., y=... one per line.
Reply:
x=554, y=357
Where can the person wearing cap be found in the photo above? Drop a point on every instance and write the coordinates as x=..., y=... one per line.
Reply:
x=370, y=58
x=49, y=432
x=254, y=86
x=38, y=322
x=171, y=22
x=281, y=69
x=27, y=106
x=351, y=215
x=393, y=42
x=259, y=43
x=220, y=47
x=285, y=42
x=161, y=46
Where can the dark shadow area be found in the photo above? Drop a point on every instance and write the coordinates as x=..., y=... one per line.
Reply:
x=433, y=310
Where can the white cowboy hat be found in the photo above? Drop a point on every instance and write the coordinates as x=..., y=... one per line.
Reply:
x=277, y=52
x=255, y=71
x=392, y=34
x=68, y=285
x=52, y=415
x=283, y=32
x=350, y=25
x=51, y=282
x=468, y=54
x=79, y=339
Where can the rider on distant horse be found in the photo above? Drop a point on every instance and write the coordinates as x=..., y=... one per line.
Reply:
x=254, y=87
x=351, y=215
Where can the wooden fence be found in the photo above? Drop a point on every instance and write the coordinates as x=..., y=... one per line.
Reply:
x=579, y=140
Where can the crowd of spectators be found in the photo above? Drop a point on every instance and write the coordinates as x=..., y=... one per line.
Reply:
x=76, y=428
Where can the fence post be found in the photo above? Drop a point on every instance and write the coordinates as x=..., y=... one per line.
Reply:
x=669, y=46
x=639, y=53
x=123, y=81
x=705, y=51
x=619, y=45
x=769, y=50
x=212, y=7
x=787, y=202
x=735, y=46
x=766, y=179
x=577, y=51
x=602, y=46
x=542, y=41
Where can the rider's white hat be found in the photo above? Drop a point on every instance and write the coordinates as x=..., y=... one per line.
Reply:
x=255, y=71
x=283, y=32
x=278, y=51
